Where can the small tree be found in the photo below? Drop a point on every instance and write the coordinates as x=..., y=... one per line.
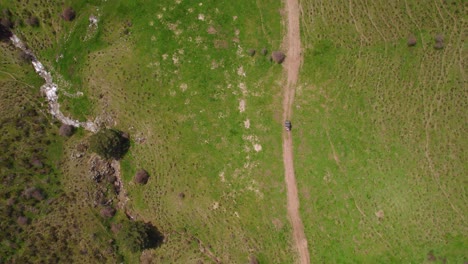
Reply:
x=137, y=236
x=109, y=143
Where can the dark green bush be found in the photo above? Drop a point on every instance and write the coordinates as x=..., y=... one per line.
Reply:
x=109, y=143
x=137, y=236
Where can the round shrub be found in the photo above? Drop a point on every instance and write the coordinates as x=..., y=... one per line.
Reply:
x=66, y=130
x=411, y=40
x=136, y=236
x=278, y=56
x=68, y=14
x=109, y=143
x=141, y=177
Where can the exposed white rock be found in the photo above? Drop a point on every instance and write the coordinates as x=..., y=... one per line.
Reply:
x=50, y=90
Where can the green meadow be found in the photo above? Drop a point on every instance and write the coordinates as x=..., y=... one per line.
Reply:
x=378, y=129
x=380, y=132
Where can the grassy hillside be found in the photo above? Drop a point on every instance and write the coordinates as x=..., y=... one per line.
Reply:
x=378, y=127
x=203, y=116
x=380, y=146
x=41, y=218
x=177, y=78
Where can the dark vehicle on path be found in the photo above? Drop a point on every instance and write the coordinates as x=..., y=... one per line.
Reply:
x=287, y=125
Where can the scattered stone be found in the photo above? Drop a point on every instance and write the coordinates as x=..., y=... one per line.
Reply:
x=11, y=201
x=211, y=30
x=100, y=169
x=181, y=195
x=37, y=163
x=26, y=57
x=380, y=214
x=93, y=20
x=221, y=44
x=33, y=192
x=253, y=260
x=125, y=135
x=412, y=40
x=68, y=14
x=33, y=21
x=251, y=52
x=439, y=41
x=111, y=178
x=148, y=257
x=141, y=177
x=115, y=228
x=82, y=147
x=66, y=130
x=22, y=220
x=278, y=56
x=264, y=52
x=108, y=212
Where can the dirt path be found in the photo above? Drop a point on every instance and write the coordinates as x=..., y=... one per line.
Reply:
x=292, y=64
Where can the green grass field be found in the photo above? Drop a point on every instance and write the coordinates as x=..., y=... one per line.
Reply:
x=380, y=146
x=378, y=130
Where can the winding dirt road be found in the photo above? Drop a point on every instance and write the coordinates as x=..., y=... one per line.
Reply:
x=292, y=64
